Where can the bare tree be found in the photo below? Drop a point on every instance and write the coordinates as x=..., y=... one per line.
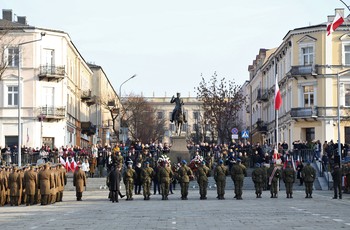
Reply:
x=222, y=101
x=141, y=119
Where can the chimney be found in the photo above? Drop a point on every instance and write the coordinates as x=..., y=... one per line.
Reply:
x=22, y=20
x=339, y=11
x=7, y=15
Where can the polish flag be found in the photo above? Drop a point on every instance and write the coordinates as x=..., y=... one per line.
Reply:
x=73, y=165
x=331, y=27
x=67, y=165
x=278, y=98
x=62, y=161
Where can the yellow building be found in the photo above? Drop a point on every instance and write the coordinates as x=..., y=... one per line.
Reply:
x=306, y=65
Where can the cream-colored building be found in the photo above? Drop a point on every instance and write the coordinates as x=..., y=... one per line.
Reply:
x=57, y=88
x=306, y=64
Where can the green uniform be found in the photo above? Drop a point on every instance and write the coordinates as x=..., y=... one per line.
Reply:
x=309, y=175
x=259, y=178
x=202, y=174
x=184, y=173
x=220, y=174
x=347, y=174
x=146, y=178
x=128, y=179
x=164, y=176
x=288, y=176
x=274, y=174
x=238, y=171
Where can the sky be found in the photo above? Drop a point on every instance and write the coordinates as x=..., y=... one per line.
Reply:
x=171, y=45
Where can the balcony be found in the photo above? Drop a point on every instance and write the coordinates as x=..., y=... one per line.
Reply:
x=263, y=95
x=86, y=96
x=51, y=73
x=304, y=112
x=88, y=128
x=260, y=126
x=303, y=70
x=52, y=113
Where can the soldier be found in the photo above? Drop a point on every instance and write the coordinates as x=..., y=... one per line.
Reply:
x=79, y=181
x=3, y=186
x=146, y=177
x=164, y=176
x=202, y=174
x=92, y=168
x=30, y=184
x=309, y=175
x=347, y=174
x=337, y=181
x=184, y=174
x=274, y=174
x=119, y=159
x=238, y=172
x=45, y=184
x=114, y=179
x=258, y=177
x=15, y=186
x=288, y=176
x=54, y=189
x=220, y=174
x=128, y=179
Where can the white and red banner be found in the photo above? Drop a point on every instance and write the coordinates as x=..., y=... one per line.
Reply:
x=338, y=20
x=278, y=98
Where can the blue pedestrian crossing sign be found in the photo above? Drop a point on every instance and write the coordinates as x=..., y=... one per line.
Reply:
x=245, y=134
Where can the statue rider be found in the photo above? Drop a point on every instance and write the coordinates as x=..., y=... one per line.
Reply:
x=178, y=106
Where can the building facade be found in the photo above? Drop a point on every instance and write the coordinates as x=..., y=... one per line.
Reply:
x=306, y=65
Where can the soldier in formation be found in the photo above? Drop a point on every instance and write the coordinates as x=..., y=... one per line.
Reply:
x=259, y=178
x=202, y=174
x=220, y=174
x=146, y=177
x=128, y=178
x=79, y=181
x=288, y=176
x=184, y=174
x=274, y=175
x=309, y=175
x=238, y=172
x=164, y=177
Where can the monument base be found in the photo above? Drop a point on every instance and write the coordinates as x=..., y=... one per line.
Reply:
x=179, y=150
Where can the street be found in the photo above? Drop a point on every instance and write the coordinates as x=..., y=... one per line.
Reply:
x=96, y=212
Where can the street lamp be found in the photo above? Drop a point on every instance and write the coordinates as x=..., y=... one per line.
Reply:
x=120, y=96
x=42, y=34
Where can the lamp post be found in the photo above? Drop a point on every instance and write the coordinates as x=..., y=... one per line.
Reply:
x=42, y=34
x=120, y=96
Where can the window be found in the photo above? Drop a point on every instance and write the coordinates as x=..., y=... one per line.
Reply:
x=307, y=55
x=310, y=134
x=308, y=92
x=347, y=94
x=160, y=115
x=195, y=127
x=13, y=54
x=347, y=55
x=196, y=115
x=12, y=95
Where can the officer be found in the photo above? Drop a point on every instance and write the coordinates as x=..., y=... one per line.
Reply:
x=288, y=176
x=259, y=178
x=128, y=179
x=202, y=174
x=337, y=181
x=3, y=186
x=184, y=174
x=79, y=181
x=30, y=182
x=147, y=175
x=238, y=172
x=15, y=185
x=45, y=183
x=309, y=175
x=274, y=175
x=220, y=174
x=164, y=176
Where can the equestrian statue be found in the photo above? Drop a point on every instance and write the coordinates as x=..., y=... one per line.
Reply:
x=178, y=115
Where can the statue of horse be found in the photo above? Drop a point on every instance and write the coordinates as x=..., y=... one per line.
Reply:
x=179, y=120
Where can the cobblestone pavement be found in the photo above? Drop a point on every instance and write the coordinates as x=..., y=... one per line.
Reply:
x=96, y=212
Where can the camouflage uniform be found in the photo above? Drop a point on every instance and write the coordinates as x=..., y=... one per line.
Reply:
x=184, y=173
x=220, y=174
x=288, y=176
x=147, y=175
x=128, y=179
x=202, y=174
x=164, y=175
x=238, y=172
x=309, y=175
x=259, y=178
x=274, y=174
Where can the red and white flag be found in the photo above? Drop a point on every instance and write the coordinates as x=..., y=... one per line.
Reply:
x=62, y=161
x=278, y=98
x=67, y=165
x=331, y=27
x=73, y=165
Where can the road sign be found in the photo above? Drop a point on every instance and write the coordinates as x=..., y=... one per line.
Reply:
x=234, y=136
x=245, y=134
x=234, y=131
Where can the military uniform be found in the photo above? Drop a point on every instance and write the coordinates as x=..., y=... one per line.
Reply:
x=259, y=178
x=128, y=179
x=274, y=174
x=288, y=176
x=309, y=175
x=79, y=181
x=184, y=174
x=45, y=184
x=147, y=175
x=347, y=174
x=30, y=182
x=3, y=187
x=15, y=186
x=337, y=181
x=202, y=174
x=220, y=174
x=164, y=176
x=238, y=172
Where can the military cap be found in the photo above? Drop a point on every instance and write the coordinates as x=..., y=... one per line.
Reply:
x=184, y=162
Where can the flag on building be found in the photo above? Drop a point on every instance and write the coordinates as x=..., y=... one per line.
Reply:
x=331, y=27
x=278, y=98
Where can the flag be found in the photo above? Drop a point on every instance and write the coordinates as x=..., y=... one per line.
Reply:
x=278, y=98
x=67, y=165
x=27, y=136
x=331, y=27
x=73, y=165
x=62, y=161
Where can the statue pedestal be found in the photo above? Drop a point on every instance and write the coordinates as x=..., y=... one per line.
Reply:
x=179, y=150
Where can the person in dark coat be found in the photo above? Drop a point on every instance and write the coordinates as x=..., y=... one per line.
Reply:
x=138, y=180
x=114, y=182
x=337, y=181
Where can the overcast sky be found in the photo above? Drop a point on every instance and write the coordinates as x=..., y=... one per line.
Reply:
x=171, y=44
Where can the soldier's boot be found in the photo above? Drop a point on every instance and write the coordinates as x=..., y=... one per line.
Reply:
x=271, y=195
x=275, y=195
x=290, y=195
x=163, y=197
x=310, y=195
x=257, y=195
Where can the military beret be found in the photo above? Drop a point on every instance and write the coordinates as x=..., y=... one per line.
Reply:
x=184, y=162
x=221, y=161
